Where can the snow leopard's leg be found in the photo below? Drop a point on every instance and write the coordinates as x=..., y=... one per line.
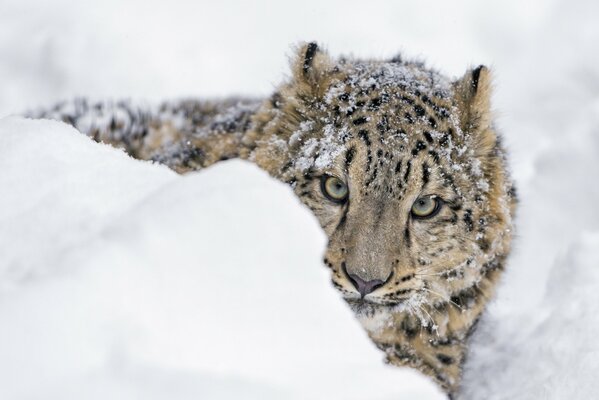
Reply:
x=184, y=135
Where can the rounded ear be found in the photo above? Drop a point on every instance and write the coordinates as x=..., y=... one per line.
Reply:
x=312, y=69
x=473, y=97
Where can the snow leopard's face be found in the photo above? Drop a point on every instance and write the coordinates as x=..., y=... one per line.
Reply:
x=398, y=165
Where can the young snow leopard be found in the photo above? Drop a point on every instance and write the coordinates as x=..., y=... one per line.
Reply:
x=402, y=167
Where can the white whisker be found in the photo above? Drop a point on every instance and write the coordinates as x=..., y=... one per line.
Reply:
x=442, y=297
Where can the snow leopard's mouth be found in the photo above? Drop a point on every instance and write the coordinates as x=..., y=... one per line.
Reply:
x=367, y=308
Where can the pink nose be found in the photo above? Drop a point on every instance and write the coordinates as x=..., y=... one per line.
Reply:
x=364, y=287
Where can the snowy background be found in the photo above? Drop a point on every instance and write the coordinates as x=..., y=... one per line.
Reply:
x=122, y=280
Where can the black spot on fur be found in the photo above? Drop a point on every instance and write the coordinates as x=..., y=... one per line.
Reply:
x=363, y=134
x=442, y=341
x=513, y=192
x=419, y=110
x=442, y=378
x=343, y=218
x=396, y=59
x=372, y=178
x=276, y=100
x=466, y=298
x=71, y=121
x=445, y=139
x=407, y=100
x=398, y=167
x=473, y=327
x=454, y=219
x=309, y=57
x=343, y=97
x=420, y=145
x=484, y=245
x=445, y=359
x=428, y=136
x=410, y=327
x=425, y=174
x=382, y=125
x=375, y=103
x=476, y=77
x=406, y=175
x=337, y=111
x=286, y=166
x=360, y=121
x=435, y=155
x=455, y=206
x=432, y=122
x=468, y=220
x=349, y=156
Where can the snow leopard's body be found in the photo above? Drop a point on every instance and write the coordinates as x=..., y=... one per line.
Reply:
x=393, y=132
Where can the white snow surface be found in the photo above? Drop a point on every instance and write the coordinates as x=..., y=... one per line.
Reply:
x=120, y=279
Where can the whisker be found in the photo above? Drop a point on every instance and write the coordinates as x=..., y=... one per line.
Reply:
x=425, y=269
x=441, y=296
x=413, y=311
x=436, y=274
x=433, y=325
x=446, y=271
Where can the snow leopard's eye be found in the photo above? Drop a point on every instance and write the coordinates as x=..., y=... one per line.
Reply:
x=426, y=207
x=334, y=188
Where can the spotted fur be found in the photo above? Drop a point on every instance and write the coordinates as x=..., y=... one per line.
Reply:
x=393, y=131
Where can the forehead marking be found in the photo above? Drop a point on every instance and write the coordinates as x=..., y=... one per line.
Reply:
x=425, y=174
x=349, y=156
x=406, y=175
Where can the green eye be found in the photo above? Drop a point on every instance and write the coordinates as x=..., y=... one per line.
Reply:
x=334, y=188
x=426, y=207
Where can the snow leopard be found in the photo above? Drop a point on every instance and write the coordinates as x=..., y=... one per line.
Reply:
x=402, y=166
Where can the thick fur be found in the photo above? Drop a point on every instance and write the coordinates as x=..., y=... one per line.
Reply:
x=393, y=131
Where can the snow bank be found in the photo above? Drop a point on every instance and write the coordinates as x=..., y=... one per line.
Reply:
x=51, y=202
x=123, y=280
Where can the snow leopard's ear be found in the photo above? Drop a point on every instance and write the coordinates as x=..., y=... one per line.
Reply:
x=312, y=69
x=473, y=98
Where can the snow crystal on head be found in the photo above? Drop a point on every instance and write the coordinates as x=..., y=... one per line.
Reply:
x=317, y=152
x=410, y=77
x=319, y=149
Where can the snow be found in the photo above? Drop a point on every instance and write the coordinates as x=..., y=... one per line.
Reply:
x=120, y=279
x=125, y=280
x=549, y=352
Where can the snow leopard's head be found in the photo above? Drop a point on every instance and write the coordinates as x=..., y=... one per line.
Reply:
x=403, y=170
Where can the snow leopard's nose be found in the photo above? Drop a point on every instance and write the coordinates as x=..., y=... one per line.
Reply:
x=365, y=287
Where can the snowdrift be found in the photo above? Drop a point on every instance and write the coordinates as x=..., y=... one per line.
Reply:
x=121, y=279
